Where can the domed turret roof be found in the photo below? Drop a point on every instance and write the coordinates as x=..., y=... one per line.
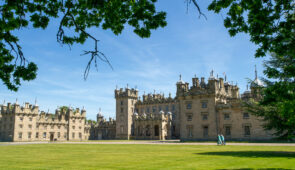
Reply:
x=180, y=81
x=257, y=82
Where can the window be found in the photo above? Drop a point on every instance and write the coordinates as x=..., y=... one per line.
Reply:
x=190, y=131
x=80, y=127
x=122, y=129
x=74, y=121
x=167, y=108
x=21, y=118
x=189, y=106
x=160, y=108
x=227, y=130
x=58, y=134
x=204, y=104
x=20, y=135
x=29, y=135
x=122, y=109
x=44, y=135
x=148, y=110
x=30, y=126
x=80, y=135
x=173, y=107
x=73, y=127
x=37, y=135
x=226, y=116
x=65, y=135
x=154, y=109
x=58, y=127
x=247, y=130
x=73, y=135
x=30, y=119
x=205, y=131
x=246, y=115
x=121, y=102
x=205, y=116
x=37, y=126
x=189, y=117
x=147, y=130
x=20, y=126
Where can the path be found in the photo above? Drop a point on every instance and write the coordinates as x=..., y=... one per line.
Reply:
x=168, y=142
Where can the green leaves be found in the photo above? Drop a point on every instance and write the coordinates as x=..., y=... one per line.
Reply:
x=271, y=25
x=268, y=23
x=77, y=16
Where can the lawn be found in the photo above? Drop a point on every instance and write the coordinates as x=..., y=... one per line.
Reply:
x=94, y=156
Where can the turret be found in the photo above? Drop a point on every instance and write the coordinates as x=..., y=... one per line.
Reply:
x=203, y=84
x=125, y=107
x=182, y=87
x=256, y=86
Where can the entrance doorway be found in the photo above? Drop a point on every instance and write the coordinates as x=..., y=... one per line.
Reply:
x=51, y=136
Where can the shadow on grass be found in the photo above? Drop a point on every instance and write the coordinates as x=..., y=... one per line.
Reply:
x=252, y=154
x=258, y=169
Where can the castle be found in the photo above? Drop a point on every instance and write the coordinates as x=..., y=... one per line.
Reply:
x=25, y=123
x=197, y=112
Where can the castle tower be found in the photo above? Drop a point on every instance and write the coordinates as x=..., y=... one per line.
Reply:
x=125, y=107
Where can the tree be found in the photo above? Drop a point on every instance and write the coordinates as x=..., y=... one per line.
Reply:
x=77, y=16
x=271, y=25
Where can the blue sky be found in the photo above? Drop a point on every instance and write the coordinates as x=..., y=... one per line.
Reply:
x=187, y=46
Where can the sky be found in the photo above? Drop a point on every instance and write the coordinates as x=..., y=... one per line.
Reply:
x=188, y=45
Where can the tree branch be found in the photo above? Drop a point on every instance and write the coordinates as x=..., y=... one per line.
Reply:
x=94, y=53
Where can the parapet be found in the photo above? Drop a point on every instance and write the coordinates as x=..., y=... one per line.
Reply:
x=16, y=108
x=128, y=93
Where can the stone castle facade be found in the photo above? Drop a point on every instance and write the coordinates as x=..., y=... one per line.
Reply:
x=26, y=123
x=197, y=112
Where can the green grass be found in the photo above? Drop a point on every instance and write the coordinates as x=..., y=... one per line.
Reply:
x=94, y=156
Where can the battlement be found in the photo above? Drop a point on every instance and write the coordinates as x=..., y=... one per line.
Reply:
x=16, y=108
x=155, y=98
x=214, y=86
x=71, y=111
x=126, y=93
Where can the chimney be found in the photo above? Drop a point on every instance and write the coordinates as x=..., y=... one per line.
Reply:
x=197, y=82
x=221, y=83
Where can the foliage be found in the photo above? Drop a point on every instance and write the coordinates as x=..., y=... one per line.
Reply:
x=64, y=108
x=77, y=16
x=91, y=121
x=271, y=25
